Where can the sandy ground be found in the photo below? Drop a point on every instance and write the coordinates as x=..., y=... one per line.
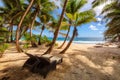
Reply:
x=80, y=62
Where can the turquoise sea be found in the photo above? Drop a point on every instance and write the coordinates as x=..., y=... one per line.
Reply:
x=84, y=40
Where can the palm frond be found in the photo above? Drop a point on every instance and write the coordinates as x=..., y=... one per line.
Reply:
x=98, y=2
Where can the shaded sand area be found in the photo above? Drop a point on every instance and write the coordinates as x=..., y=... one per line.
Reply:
x=80, y=62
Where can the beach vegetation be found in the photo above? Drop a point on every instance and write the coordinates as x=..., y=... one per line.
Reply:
x=3, y=44
x=3, y=47
x=111, y=16
x=77, y=17
x=20, y=18
x=57, y=29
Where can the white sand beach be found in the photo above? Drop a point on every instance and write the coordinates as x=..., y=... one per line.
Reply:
x=80, y=62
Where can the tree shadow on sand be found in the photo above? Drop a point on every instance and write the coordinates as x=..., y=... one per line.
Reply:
x=94, y=66
x=77, y=65
x=14, y=73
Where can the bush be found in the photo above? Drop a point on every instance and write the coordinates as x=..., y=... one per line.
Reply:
x=45, y=39
x=26, y=45
x=3, y=47
x=27, y=37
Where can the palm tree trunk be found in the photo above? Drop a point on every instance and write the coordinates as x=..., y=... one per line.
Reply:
x=11, y=36
x=11, y=31
x=118, y=38
x=57, y=29
x=8, y=36
x=19, y=25
x=23, y=32
x=33, y=22
x=43, y=27
x=65, y=38
x=74, y=34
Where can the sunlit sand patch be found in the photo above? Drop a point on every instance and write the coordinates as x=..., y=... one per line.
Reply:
x=104, y=69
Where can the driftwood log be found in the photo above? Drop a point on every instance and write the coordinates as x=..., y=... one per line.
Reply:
x=41, y=65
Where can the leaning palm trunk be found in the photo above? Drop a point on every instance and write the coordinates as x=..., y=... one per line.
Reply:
x=19, y=25
x=65, y=39
x=8, y=36
x=11, y=36
x=57, y=29
x=39, y=42
x=68, y=45
x=33, y=22
x=11, y=31
x=23, y=32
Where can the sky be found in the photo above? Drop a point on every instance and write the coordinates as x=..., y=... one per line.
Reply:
x=93, y=29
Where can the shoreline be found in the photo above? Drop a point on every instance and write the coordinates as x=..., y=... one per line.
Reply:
x=85, y=42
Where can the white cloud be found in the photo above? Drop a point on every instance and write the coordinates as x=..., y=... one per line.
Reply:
x=92, y=27
x=99, y=19
x=98, y=9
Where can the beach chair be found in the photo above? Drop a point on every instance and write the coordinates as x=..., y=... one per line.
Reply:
x=42, y=64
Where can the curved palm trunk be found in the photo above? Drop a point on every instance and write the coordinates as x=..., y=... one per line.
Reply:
x=43, y=27
x=19, y=25
x=32, y=42
x=57, y=30
x=33, y=22
x=68, y=45
x=65, y=38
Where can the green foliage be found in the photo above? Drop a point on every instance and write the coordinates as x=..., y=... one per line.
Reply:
x=45, y=39
x=26, y=45
x=77, y=17
x=28, y=38
x=35, y=38
x=3, y=47
x=112, y=17
x=3, y=33
x=75, y=5
x=96, y=3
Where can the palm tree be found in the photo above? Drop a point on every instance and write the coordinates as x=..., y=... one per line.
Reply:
x=112, y=17
x=36, y=12
x=19, y=25
x=77, y=18
x=96, y=3
x=65, y=37
x=10, y=13
x=45, y=15
x=45, y=18
x=52, y=25
x=57, y=29
x=68, y=10
x=112, y=14
x=40, y=6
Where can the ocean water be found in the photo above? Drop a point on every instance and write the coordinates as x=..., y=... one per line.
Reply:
x=84, y=40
